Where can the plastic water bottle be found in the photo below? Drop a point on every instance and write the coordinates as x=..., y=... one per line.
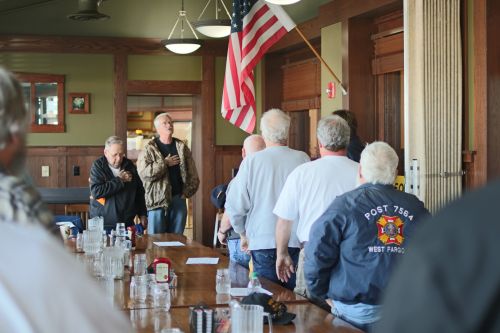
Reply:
x=254, y=283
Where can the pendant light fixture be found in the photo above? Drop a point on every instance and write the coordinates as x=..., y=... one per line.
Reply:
x=182, y=45
x=282, y=2
x=215, y=28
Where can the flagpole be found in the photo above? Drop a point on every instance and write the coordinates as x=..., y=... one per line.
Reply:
x=344, y=92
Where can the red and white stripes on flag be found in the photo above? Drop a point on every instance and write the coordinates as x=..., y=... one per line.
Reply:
x=256, y=26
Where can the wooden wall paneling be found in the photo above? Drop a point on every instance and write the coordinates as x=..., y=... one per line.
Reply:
x=301, y=104
x=357, y=61
x=480, y=172
x=334, y=12
x=273, y=78
x=120, y=96
x=387, y=64
x=389, y=44
x=61, y=161
x=227, y=158
x=163, y=87
x=301, y=80
x=493, y=88
x=34, y=167
x=101, y=45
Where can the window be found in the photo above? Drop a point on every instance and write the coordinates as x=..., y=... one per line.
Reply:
x=44, y=98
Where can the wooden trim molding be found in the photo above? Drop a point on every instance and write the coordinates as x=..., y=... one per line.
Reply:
x=163, y=87
x=82, y=44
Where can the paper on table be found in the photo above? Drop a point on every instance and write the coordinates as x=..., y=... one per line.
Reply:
x=202, y=260
x=176, y=243
x=238, y=292
x=69, y=224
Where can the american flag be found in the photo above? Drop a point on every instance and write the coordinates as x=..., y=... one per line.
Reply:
x=255, y=27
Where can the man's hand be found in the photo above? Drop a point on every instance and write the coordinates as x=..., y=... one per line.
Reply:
x=222, y=237
x=244, y=244
x=125, y=176
x=144, y=222
x=284, y=267
x=172, y=160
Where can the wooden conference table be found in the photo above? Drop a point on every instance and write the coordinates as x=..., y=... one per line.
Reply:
x=196, y=284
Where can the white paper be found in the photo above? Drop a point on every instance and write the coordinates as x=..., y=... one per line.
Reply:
x=176, y=243
x=69, y=224
x=239, y=292
x=202, y=260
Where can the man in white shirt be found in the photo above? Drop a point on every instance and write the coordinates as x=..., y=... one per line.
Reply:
x=308, y=192
x=255, y=190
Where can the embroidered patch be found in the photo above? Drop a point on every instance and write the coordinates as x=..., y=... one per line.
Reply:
x=390, y=230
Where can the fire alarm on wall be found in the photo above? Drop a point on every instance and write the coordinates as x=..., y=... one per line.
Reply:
x=330, y=90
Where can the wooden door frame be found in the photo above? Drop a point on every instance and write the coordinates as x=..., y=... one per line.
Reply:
x=203, y=133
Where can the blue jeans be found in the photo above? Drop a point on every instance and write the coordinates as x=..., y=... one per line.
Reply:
x=264, y=263
x=173, y=220
x=235, y=253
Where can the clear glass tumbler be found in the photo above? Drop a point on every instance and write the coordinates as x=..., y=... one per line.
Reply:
x=222, y=281
x=161, y=296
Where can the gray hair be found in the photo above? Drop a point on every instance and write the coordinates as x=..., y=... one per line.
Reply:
x=112, y=140
x=274, y=126
x=333, y=133
x=14, y=116
x=254, y=143
x=379, y=163
x=161, y=115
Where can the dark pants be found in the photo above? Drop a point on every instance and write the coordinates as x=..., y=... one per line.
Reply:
x=264, y=263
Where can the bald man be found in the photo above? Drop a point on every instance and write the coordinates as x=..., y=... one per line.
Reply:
x=226, y=234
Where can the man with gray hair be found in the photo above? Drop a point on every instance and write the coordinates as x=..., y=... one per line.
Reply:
x=19, y=201
x=255, y=190
x=117, y=193
x=359, y=239
x=169, y=174
x=308, y=192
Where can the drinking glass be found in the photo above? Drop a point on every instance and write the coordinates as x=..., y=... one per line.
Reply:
x=161, y=296
x=96, y=223
x=138, y=288
x=248, y=318
x=91, y=241
x=140, y=264
x=222, y=281
x=112, y=259
x=121, y=231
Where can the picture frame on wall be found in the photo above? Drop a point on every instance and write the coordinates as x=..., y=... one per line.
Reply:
x=79, y=103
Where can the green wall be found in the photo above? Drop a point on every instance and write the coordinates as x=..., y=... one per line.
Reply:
x=331, y=51
x=225, y=132
x=83, y=73
x=177, y=68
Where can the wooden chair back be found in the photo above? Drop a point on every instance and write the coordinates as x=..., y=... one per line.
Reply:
x=81, y=210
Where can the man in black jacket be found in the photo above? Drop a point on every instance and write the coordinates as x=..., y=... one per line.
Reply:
x=116, y=189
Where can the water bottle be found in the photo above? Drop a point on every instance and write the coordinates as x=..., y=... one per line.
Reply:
x=254, y=283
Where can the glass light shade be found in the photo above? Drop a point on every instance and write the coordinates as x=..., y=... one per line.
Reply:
x=213, y=28
x=182, y=45
x=282, y=2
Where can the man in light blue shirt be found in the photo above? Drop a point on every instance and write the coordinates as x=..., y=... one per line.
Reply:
x=255, y=190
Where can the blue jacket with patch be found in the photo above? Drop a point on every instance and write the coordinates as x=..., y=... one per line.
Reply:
x=355, y=244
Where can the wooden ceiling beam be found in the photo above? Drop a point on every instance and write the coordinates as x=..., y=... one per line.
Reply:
x=107, y=45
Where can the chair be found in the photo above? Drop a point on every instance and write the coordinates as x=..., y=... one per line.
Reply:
x=81, y=210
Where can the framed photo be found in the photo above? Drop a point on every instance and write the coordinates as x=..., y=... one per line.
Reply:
x=79, y=103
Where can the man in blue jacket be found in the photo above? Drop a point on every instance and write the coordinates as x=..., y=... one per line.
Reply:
x=360, y=237
x=116, y=189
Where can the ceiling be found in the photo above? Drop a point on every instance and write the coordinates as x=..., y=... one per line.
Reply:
x=129, y=18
